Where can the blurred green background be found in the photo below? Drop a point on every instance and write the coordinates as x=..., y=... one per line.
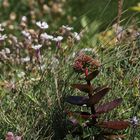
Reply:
x=58, y=12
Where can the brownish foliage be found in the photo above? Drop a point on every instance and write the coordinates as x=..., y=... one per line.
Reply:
x=85, y=64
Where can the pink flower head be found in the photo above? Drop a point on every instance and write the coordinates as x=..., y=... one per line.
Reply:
x=84, y=64
x=10, y=136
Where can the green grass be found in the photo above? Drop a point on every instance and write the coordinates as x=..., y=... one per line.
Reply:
x=33, y=105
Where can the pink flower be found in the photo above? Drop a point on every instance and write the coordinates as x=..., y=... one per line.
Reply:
x=10, y=136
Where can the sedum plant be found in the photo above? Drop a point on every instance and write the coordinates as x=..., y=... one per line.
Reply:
x=89, y=68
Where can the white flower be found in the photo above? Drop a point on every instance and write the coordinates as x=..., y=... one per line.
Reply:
x=73, y=54
x=137, y=34
x=21, y=74
x=36, y=47
x=2, y=37
x=7, y=50
x=58, y=38
x=26, y=59
x=26, y=34
x=84, y=105
x=1, y=29
x=24, y=19
x=67, y=27
x=42, y=25
x=77, y=36
x=134, y=121
x=14, y=39
x=46, y=36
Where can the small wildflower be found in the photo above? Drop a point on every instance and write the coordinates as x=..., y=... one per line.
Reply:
x=67, y=27
x=13, y=39
x=58, y=38
x=137, y=35
x=76, y=36
x=26, y=34
x=10, y=136
x=37, y=50
x=134, y=121
x=45, y=36
x=1, y=29
x=84, y=105
x=26, y=59
x=13, y=16
x=36, y=47
x=6, y=3
x=2, y=37
x=24, y=19
x=42, y=25
x=2, y=54
x=73, y=54
x=7, y=50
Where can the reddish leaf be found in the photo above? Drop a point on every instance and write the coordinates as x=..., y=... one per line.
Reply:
x=86, y=72
x=98, y=96
x=83, y=87
x=108, y=106
x=86, y=115
x=116, y=125
x=92, y=75
x=83, y=115
x=95, y=90
x=77, y=100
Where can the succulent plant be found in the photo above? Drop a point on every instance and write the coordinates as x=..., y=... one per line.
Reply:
x=90, y=68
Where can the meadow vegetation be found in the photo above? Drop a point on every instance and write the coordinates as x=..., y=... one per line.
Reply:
x=46, y=47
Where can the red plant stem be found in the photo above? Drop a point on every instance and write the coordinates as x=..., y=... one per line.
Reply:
x=86, y=72
x=94, y=114
x=92, y=107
